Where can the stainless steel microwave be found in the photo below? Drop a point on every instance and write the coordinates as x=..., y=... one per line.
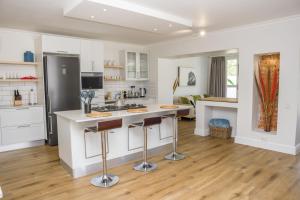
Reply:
x=91, y=80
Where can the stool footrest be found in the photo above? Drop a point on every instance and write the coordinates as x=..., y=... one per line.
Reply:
x=169, y=116
x=137, y=124
x=91, y=129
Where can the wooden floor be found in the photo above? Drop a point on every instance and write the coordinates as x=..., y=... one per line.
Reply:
x=214, y=169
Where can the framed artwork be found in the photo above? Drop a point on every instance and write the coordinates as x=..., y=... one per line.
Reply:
x=186, y=76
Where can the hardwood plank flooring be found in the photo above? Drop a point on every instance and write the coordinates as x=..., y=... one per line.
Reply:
x=214, y=169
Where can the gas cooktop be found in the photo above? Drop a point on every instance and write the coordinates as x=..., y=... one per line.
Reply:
x=110, y=108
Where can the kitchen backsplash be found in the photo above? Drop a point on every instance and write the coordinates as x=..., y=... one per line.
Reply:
x=99, y=97
x=7, y=88
x=7, y=92
x=116, y=86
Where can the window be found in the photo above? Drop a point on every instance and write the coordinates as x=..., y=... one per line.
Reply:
x=232, y=74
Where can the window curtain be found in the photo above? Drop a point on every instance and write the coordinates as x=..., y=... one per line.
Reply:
x=217, y=80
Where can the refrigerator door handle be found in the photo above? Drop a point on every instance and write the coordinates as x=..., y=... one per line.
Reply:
x=93, y=66
x=50, y=124
x=49, y=106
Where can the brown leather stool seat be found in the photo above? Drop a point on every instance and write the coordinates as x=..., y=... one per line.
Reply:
x=105, y=180
x=145, y=166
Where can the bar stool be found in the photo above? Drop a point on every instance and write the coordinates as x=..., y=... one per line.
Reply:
x=180, y=113
x=105, y=180
x=145, y=166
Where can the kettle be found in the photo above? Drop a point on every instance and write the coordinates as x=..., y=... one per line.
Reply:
x=143, y=92
x=119, y=100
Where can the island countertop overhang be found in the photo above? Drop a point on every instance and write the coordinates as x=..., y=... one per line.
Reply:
x=79, y=117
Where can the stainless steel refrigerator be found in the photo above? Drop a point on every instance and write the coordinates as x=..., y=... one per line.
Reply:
x=62, y=88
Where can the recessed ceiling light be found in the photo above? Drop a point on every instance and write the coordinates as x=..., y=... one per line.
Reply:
x=202, y=33
x=92, y=16
x=170, y=25
x=155, y=29
x=104, y=9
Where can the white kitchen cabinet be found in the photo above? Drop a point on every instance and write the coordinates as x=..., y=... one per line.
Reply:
x=136, y=65
x=143, y=66
x=60, y=44
x=93, y=144
x=165, y=130
x=91, y=56
x=135, y=138
x=21, y=116
x=22, y=133
x=23, y=124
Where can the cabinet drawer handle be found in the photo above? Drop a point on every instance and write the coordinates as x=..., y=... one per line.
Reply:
x=24, y=126
x=50, y=124
x=22, y=108
x=61, y=51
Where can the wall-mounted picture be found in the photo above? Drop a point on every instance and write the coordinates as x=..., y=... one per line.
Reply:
x=186, y=76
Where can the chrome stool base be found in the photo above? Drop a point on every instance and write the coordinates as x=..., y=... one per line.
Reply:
x=174, y=156
x=105, y=180
x=145, y=167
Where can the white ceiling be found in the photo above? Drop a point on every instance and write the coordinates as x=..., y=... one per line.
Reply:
x=129, y=15
x=211, y=15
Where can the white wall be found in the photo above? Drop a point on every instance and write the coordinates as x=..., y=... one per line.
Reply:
x=297, y=142
x=13, y=44
x=167, y=73
x=112, y=52
x=281, y=36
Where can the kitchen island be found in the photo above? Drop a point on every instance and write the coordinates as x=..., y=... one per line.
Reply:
x=80, y=151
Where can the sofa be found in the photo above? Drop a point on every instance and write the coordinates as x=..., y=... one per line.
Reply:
x=189, y=100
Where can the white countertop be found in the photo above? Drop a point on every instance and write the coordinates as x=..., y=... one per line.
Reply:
x=19, y=107
x=78, y=115
x=219, y=104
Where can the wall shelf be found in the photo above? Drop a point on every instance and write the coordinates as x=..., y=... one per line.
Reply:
x=114, y=79
x=17, y=63
x=114, y=67
x=18, y=80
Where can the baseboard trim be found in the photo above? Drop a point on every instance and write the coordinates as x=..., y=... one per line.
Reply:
x=24, y=145
x=198, y=132
x=297, y=149
x=266, y=145
x=96, y=167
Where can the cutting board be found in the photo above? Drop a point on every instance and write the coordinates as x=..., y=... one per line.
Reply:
x=99, y=114
x=137, y=110
x=169, y=106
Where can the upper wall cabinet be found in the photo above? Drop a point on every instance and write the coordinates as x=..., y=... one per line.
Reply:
x=91, y=56
x=60, y=44
x=137, y=65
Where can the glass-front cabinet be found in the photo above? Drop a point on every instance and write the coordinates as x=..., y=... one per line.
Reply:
x=143, y=74
x=131, y=65
x=137, y=66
